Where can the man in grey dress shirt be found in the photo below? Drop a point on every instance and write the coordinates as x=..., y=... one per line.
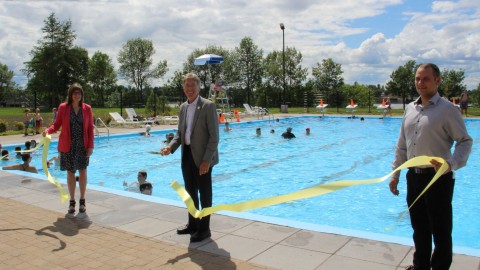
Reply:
x=430, y=126
x=198, y=136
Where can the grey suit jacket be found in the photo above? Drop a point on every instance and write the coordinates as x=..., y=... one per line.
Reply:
x=205, y=136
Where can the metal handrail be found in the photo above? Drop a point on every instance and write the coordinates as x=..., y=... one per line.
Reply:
x=97, y=132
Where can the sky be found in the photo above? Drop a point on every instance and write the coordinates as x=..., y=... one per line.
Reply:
x=369, y=38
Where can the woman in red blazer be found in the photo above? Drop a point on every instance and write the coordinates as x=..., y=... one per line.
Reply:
x=75, y=143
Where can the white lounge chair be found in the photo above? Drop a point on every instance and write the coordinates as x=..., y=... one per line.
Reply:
x=168, y=120
x=118, y=119
x=132, y=116
x=256, y=111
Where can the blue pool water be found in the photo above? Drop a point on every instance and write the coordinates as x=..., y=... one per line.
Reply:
x=255, y=167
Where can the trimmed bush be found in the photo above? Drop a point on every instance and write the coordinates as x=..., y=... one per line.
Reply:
x=3, y=125
x=19, y=126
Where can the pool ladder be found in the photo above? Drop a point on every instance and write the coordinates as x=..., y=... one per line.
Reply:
x=97, y=131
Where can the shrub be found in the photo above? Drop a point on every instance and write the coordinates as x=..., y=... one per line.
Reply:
x=3, y=125
x=108, y=120
x=19, y=126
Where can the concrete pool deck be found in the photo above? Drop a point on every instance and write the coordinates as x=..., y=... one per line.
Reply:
x=129, y=233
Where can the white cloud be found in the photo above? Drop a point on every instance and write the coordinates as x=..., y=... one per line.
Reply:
x=448, y=34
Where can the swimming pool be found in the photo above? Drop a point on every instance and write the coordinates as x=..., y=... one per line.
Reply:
x=254, y=167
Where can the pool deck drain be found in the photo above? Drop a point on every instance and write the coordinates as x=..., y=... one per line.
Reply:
x=127, y=233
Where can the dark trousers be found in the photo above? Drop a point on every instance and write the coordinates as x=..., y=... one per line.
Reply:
x=195, y=185
x=431, y=216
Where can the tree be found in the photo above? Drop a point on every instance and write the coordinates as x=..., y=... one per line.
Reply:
x=101, y=76
x=272, y=65
x=329, y=80
x=211, y=73
x=247, y=65
x=174, y=87
x=358, y=92
x=295, y=74
x=56, y=63
x=135, y=60
x=6, y=82
x=402, y=81
x=452, y=83
x=475, y=96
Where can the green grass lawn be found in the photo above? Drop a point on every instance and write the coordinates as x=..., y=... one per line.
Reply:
x=13, y=115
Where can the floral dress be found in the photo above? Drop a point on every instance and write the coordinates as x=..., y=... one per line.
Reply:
x=77, y=158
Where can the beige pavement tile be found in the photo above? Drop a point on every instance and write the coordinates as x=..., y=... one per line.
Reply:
x=287, y=257
x=374, y=251
x=236, y=247
x=317, y=241
x=149, y=226
x=36, y=238
x=340, y=262
x=459, y=261
x=265, y=232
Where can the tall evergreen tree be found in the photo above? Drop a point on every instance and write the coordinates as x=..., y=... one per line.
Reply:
x=56, y=62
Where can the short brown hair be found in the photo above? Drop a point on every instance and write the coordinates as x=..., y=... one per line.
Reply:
x=435, y=69
x=73, y=88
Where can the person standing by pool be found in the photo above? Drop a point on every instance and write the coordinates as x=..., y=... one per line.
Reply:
x=38, y=121
x=464, y=102
x=75, y=144
x=198, y=134
x=430, y=126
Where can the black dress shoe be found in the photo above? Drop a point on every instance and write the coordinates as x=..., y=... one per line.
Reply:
x=186, y=230
x=200, y=236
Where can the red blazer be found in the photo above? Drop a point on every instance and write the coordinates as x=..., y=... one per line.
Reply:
x=63, y=121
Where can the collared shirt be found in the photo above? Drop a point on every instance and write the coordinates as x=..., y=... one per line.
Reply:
x=431, y=131
x=189, y=119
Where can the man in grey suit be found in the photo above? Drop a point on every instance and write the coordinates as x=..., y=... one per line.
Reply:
x=198, y=135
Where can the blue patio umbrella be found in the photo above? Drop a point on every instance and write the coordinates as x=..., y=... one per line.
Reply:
x=208, y=59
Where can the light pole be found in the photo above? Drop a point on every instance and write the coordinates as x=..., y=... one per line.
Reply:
x=282, y=26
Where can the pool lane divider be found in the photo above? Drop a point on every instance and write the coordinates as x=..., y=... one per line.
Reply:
x=46, y=146
x=314, y=191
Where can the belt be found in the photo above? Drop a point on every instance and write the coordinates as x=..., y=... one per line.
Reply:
x=429, y=170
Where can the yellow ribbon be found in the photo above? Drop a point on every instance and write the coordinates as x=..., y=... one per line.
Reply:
x=317, y=190
x=46, y=143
